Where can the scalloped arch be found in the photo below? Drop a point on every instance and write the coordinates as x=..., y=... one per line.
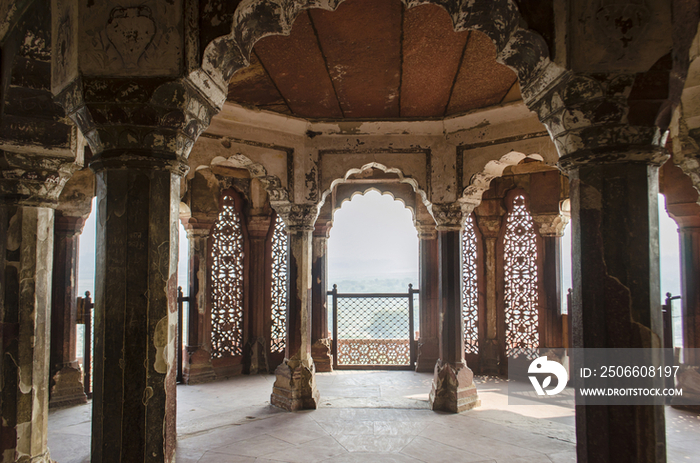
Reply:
x=382, y=167
x=481, y=181
x=522, y=50
x=381, y=192
x=272, y=183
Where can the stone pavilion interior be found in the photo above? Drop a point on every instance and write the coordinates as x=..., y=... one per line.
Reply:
x=497, y=123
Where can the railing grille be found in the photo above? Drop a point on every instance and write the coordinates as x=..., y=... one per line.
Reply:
x=373, y=329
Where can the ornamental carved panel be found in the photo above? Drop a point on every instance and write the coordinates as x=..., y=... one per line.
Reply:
x=280, y=252
x=227, y=283
x=470, y=292
x=520, y=256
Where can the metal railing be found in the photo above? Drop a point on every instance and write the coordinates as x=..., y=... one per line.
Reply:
x=181, y=298
x=373, y=330
x=85, y=317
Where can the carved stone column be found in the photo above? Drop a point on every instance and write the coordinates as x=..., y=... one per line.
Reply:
x=613, y=172
x=489, y=225
x=66, y=376
x=196, y=363
x=551, y=229
x=453, y=386
x=295, y=385
x=257, y=346
x=39, y=151
x=321, y=342
x=428, y=342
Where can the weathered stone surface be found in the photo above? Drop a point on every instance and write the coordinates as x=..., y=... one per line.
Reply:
x=65, y=374
x=453, y=388
x=196, y=363
x=136, y=314
x=26, y=234
x=321, y=352
x=295, y=385
x=428, y=351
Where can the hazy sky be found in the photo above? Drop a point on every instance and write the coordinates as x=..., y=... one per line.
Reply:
x=372, y=237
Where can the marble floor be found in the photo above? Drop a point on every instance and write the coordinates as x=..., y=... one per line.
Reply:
x=364, y=416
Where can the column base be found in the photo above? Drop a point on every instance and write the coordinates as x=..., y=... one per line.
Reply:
x=453, y=388
x=688, y=379
x=321, y=353
x=490, y=359
x=198, y=368
x=295, y=386
x=256, y=357
x=68, y=388
x=428, y=354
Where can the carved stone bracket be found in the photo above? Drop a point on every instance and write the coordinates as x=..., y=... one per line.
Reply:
x=450, y=216
x=160, y=118
x=551, y=224
x=587, y=117
x=33, y=180
x=297, y=217
x=426, y=231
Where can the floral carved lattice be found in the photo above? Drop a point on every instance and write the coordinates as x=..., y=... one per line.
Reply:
x=520, y=252
x=280, y=250
x=227, y=283
x=470, y=294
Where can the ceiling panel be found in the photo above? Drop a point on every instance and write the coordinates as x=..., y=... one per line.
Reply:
x=298, y=69
x=431, y=55
x=252, y=86
x=481, y=81
x=361, y=41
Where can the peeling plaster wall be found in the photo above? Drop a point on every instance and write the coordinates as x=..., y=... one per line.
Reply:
x=306, y=157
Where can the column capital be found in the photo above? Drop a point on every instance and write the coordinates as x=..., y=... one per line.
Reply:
x=297, y=217
x=68, y=225
x=426, y=231
x=588, y=117
x=489, y=226
x=450, y=216
x=551, y=224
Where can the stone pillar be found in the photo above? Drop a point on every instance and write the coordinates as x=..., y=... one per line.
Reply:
x=550, y=230
x=26, y=234
x=613, y=172
x=259, y=289
x=453, y=386
x=682, y=205
x=196, y=363
x=136, y=308
x=490, y=227
x=321, y=342
x=295, y=385
x=428, y=344
x=66, y=376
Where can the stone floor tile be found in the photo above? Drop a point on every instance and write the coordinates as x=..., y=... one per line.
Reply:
x=63, y=446
x=397, y=428
x=387, y=444
x=295, y=434
x=259, y=446
x=347, y=427
x=423, y=449
x=309, y=452
x=366, y=457
x=563, y=457
x=213, y=457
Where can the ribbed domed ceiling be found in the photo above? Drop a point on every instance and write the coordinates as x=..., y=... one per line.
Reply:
x=373, y=59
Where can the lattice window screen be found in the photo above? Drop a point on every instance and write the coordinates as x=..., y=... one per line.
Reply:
x=280, y=252
x=470, y=294
x=521, y=282
x=227, y=283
